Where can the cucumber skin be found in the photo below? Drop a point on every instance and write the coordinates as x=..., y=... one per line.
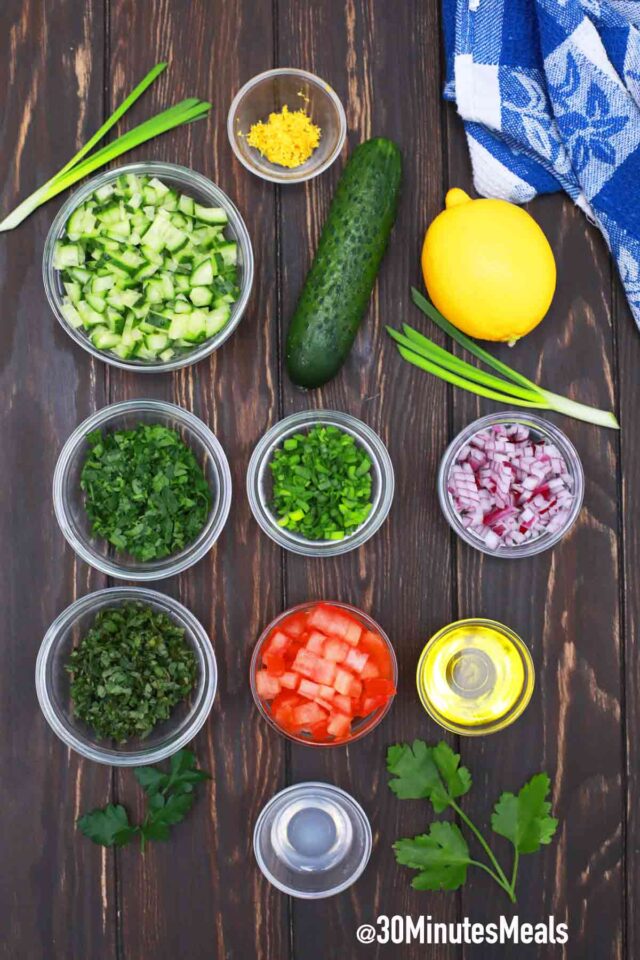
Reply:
x=338, y=286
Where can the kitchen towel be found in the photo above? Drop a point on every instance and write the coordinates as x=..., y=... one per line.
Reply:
x=549, y=91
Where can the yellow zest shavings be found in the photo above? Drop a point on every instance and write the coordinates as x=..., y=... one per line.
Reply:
x=287, y=138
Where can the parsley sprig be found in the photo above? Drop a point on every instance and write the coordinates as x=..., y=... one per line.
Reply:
x=442, y=856
x=170, y=796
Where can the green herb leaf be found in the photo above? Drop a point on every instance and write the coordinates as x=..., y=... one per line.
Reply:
x=432, y=773
x=441, y=856
x=150, y=779
x=524, y=819
x=109, y=826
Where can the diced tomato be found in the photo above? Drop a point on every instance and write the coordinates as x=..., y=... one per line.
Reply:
x=343, y=704
x=376, y=647
x=327, y=693
x=339, y=725
x=308, y=689
x=369, y=670
x=369, y=704
x=295, y=625
x=315, y=642
x=290, y=680
x=277, y=643
x=282, y=709
x=344, y=681
x=319, y=731
x=314, y=667
x=335, y=649
x=307, y=714
x=325, y=704
x=335, y=623
x=356, y=689
x=378, y=687
x=275, y=664
x=267, y=686
x=356, y=660
x=291, y=652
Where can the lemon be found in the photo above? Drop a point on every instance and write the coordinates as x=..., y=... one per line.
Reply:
x=488, y=267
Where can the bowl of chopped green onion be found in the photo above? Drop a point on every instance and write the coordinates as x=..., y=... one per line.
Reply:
x=320, y=483
x=148, y=267
x=126, y=676
x=142, y=490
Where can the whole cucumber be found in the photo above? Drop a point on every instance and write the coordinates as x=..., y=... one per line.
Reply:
x=339, y=284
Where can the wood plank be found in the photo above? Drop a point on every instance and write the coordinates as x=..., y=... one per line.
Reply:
x=380, y=60
x=564, y=604
x=187, y=897
x=57, y=891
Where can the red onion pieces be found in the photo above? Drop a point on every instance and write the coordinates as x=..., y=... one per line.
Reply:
x=509, y=488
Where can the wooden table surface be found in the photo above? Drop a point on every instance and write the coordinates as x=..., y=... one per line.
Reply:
x=64, y=66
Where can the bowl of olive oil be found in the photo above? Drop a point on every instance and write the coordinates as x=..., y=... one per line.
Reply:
x=475, y=677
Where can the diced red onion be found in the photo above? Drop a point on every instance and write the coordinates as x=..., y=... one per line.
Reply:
x=508, y=488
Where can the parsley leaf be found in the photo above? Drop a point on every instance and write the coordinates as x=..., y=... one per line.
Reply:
x=524, y=819
x=441, y=856
x=432, y=773
x=109, y=826
x=170, y=796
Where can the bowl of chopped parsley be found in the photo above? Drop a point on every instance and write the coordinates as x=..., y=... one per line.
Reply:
x=142, y=490
x=320, y=483
x=126, y=676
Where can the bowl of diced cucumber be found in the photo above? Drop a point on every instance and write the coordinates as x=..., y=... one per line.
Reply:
x=148, y=266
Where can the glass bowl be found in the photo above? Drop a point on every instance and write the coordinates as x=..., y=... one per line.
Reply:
x=53, y=681
x=542, y=429
x=363, y=725
x=269, y=92
x=477, y=673
x=259, y=482
x=205, y=192
x=68, y=498
x=312, y=840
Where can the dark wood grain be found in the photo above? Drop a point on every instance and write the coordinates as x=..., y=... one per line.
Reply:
x=56, y=893
x=64, y=67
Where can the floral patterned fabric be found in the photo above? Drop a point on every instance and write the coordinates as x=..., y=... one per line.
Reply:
x=550, y=94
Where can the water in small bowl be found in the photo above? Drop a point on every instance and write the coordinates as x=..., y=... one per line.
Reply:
x=312, y=840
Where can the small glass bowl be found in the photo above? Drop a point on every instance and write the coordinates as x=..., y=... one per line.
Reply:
x=205, y=192
x=517, y=708
x=53, y=683
x=312, y=840
x=362, y=726
x=259, y=482
x=68, y=498
x=269, y=92
x=541, y=429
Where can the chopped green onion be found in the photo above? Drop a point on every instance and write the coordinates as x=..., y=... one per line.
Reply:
x=78, y=167
x=521, y=392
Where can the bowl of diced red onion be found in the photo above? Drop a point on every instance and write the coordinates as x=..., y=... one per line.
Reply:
x=511, y=485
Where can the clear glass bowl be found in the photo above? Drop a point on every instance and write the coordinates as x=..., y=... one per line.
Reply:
x=205, y=192
x=363, y=725
x=312, y=840
x=269, y=92
x=515, y=709
x=259, y=482
x=53, y=682
x=68, y=498
x=542, y=429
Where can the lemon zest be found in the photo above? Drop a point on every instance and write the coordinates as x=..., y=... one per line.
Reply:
x=287, y=138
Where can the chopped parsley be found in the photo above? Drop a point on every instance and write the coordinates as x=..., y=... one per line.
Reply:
x=145, y=492
x=129, y=671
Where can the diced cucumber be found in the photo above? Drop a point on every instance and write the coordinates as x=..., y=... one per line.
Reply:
x=186, y=205
x=71, y=315
x=210, y=214
x=67, y=255
x=201, y=296
x=203, y=274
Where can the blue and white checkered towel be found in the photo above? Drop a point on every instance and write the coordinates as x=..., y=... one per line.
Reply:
x=549, y=91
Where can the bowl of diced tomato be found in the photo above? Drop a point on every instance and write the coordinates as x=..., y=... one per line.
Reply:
x=324, y=674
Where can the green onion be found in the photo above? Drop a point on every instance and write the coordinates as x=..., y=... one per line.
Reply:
x=184, y=112
x=511, y=388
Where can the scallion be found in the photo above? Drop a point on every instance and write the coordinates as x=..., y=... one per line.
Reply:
x=511, y=388
x=78, y=167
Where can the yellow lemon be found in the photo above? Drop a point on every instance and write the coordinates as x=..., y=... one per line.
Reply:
x=488, y=267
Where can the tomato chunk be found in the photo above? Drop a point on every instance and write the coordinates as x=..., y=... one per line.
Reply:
x=308, y=689
x=356, y=660
x=335, y=623
x=378, y=652
x=315, y=642
x=378, y=687
x=336, y=650
x=343, y=704
x=369, y=671
x=277, y=643
x=339, y=725
x=290, y=680
x=295, y=625
x=313, y=667
x=275, y=663
x=307, y=714
x=267, y=686
x=344, y=681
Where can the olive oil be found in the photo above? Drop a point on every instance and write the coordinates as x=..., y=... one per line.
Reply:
x=475, y=677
